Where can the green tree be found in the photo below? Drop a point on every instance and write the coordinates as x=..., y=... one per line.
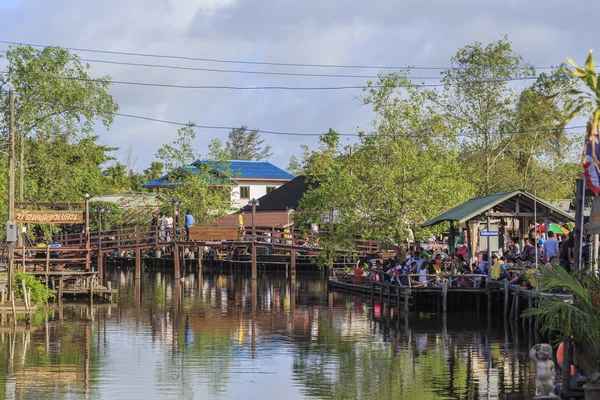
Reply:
x=204, y=188
x=58, y=104
x=396, y=176
x=479, y=100
x=180, y=152
x=294, y=167
x=245, y=144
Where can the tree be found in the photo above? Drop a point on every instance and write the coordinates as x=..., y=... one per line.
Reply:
x=396, y=176
x=245, y=144
x=294, y=167
x=478, y=100
x=57, y=107
x=55, y=93
x=204, y=188
x=180, y=152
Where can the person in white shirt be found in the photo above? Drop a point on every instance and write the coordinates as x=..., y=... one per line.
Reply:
x=167, y=224
x=551, y=246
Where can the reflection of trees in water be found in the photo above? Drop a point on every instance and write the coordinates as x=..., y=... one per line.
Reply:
x=419, y=365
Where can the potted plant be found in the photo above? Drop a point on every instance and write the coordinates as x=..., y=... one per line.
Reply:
x=579, y=318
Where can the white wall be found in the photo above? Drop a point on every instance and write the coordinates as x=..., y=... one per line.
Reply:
x=257, y=190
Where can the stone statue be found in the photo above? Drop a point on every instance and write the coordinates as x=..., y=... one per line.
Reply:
x=541, y=355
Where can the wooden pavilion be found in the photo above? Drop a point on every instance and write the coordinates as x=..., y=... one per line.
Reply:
x=488, y=221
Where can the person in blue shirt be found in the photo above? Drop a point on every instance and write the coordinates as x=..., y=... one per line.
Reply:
x=189, y=222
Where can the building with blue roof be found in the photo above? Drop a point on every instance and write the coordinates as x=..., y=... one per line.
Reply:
x=248, y=179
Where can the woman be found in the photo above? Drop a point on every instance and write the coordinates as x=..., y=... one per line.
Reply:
x=423, y=270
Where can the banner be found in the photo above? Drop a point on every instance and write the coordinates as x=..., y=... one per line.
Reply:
x=49, y=217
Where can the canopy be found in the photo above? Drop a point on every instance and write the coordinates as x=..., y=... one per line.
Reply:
x=515, y=204
x=553, y=228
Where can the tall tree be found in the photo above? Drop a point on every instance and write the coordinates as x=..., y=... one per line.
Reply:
x=479, y=100
x=396, y=176
x=294, y=166
x=58, y=105
x=181, y=151
x=204, y=188
x=245, y=144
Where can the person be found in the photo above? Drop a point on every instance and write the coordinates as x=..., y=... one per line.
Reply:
x=415, y=259
x=542, y=239
x=189, y=222
x=423, y=270
x=241, y=222
x=551, y=246
x=566, y=252
x=499, y=268
x=154, y=224
x=528, y=251
x=358, y=274
x=167, y=225
x=552, y=263
x=315, y=232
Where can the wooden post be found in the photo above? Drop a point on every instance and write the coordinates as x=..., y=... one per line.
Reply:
x=100, y=267
x=47, y=264
x=506, y=298
x=254, y=266
x=176, y=261
x=444, y=297
x=138, y=263
x=11, y=191
x=88, y=261
x=293, y=263
x=517, y=308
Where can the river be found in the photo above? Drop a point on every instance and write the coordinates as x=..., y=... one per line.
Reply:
x=205, y=338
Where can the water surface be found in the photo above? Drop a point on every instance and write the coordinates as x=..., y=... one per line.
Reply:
x=205, y=338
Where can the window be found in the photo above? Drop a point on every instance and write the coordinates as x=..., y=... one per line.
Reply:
x=244, y=192
x=270, y=189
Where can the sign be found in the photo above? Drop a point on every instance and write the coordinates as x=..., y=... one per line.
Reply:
x=49, y=217
x=204, y=233
x=488, y=233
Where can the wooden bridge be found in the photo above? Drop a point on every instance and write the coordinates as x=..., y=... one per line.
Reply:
x=70, y=251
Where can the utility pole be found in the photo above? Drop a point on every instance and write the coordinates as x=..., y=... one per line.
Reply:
x=20, y=237
x=11, y=186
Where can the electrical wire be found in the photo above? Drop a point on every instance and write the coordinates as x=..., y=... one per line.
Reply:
x=246, y=62
x=282, y=133
x=293, y=88
x=247, y=72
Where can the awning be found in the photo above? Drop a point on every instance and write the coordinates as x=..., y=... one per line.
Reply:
x=503, y=205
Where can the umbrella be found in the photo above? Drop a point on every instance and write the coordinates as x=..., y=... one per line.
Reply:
x=553, y=228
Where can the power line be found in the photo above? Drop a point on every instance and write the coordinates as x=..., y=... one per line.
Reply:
x=283, y=133
x=247, y=72
x=296, y=88
x=246, y=62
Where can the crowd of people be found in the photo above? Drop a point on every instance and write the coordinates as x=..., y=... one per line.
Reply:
x=417, y=266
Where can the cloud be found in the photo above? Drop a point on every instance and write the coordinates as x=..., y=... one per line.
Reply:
x=379, y=32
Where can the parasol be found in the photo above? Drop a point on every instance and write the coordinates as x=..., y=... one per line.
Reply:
x=553, y=228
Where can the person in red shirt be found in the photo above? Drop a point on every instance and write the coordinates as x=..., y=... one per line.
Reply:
x=358, y=274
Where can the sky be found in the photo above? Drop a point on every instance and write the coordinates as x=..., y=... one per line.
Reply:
x=337, y=32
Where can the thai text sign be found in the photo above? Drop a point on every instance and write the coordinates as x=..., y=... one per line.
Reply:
x=201, y=233
x=49, y=217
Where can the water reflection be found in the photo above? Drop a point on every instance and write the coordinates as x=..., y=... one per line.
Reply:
x=216, y=335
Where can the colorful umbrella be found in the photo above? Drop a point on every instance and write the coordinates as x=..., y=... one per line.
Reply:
x=553, y=228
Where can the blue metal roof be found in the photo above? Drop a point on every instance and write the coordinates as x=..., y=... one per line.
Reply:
x=238, y=169
x=243, y=169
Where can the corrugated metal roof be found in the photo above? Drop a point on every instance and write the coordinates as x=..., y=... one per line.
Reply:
x=238, y=169
x=479, y=205
x=244, y=169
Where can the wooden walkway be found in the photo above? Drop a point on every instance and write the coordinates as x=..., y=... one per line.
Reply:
x=509, y=299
